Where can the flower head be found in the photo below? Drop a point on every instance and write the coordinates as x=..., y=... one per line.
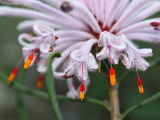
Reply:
x=81, y=26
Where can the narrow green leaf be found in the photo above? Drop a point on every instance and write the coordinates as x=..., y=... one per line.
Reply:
x=141, y=104
x=50, y=82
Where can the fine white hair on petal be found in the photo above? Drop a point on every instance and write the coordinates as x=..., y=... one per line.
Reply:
x=145, y=52
x=125, y=60
x=108, y=39
x=103, y=54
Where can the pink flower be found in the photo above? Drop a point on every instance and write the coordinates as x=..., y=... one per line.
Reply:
x=111, y=25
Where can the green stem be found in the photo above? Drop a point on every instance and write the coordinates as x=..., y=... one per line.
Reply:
x=141, y=104
x=99, y=66
x=19, y=99
x=50, y=83
x=105, y=65
x=44, y=95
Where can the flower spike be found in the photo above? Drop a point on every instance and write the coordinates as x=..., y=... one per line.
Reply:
x=12, y=75
x=40, y=82
x=29, y=60
x=140, y=87
x=112, y=77
x=82, y=89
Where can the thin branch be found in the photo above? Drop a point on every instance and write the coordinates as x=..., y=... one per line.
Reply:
x=114, y=100
x=44, y=95
x=141, y=104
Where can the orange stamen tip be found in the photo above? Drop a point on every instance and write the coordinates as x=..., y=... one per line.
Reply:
x=140, y=88
x=28, y=62
x=56, y=37
x=51, y=49
x=30, y=34
x=112, y=80
x=82, y=95
x=12, y=75
x=82, y=89
x=112, y=77
x=40, y=82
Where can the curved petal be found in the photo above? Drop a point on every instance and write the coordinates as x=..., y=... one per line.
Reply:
x=45, y=47
x=25, y=39
x=82, y=72
x=103, y=54
x=42, y=29
x=125, y=60
x=91, y=63
x=78, y=55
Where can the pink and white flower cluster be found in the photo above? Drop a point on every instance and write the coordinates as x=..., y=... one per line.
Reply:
x=81, y=26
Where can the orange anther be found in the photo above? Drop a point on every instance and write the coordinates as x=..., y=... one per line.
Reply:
x=82, y=95
x=140, y=88
x=112, y=77
x=51, y=49
x=28, y=62
x=12, y=75
x=30, y=34
x=40, y=82
x=82, y=89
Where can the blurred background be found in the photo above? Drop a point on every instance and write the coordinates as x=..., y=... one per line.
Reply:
x=39, y=109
